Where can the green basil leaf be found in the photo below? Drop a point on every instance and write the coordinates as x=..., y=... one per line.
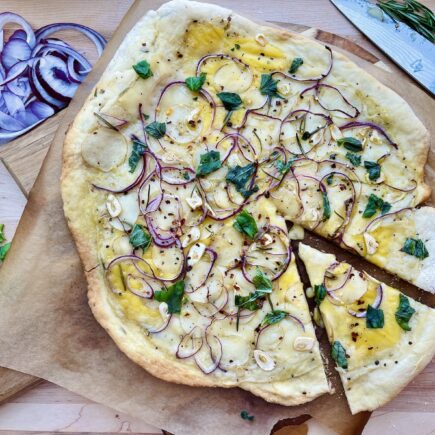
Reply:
x=350, y=143
x=354, y=159
x=4, y=250
x=319, y=293
x=143, y=69
x=330, y=179
x=139, y=237
x=326, y=206
x=195, y=83
x=137, y=152
x=156, y=129
x=375, y=204
x=374, y=170
x=241, y=177
x=245, y=415
x=269, y=86
x=374, y=318
x=386, y=207
x=282, y=167
x=404, y=312
x=416, y=248
x=296, y=63
x=273, y=317
x=2, y=233
x=173, y=296
x=252, y=302
x=245, y=224
x=230, y=100
x=338, y=353
x=262, y=282
x=209, y=162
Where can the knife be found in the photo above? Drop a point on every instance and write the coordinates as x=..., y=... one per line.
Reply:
x=407, y=48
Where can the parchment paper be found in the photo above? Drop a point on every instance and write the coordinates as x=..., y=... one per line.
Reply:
x=47, y=329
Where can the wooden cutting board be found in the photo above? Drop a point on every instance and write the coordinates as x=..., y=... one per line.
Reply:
x=23, y=158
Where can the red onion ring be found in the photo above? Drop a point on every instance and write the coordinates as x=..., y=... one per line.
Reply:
x=197, y=342
x=376, y=127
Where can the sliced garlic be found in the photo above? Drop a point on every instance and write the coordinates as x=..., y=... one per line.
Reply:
x=113, y=205
x=163, y=309
x=309, y=292
x=318, y=318
x=335, y=132
x=195, y=253
x=264, y=361
x=371, y=243
x=303, y=344
x=194, y=201
x=261, y=39
x=192, y=236
x=296, y=232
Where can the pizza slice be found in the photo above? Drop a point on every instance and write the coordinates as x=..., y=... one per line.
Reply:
x=380, y=338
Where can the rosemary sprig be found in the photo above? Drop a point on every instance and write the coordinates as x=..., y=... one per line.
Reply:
x=413, y=13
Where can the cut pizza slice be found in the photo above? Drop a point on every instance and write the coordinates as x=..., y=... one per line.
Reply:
x=380, y=338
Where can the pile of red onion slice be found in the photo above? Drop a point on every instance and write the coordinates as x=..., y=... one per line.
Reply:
x=39, y=74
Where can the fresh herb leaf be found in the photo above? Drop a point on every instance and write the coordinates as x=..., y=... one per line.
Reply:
x=230, y=100
x=137, y=152
x=326, y=206
x=156, y=129
x=143, y=69
x=374, y=204
x=241, y=176
x=245, y=415
x=173, y=296
x=4, y=250
x=282, y=167
x=404, y=312
x=330, y=179
x=2, y=233
x=252, y=302
x=338, y=353
x=262, y=282
x=296, y=63
x=350, y=143
x=209, y=162
x=139, y=237
x=195, y=83
x=245, y=224
x=269, y=86
x=374, y=318
x=374, y=170
x=319, y=293
x=273, y=317
x=416, y=248
x=354, y=159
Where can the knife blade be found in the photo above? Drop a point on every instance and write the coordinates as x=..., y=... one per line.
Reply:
x=407, y=48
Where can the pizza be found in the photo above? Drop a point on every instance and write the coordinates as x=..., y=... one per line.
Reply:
x=380, y=338
x=205, y=136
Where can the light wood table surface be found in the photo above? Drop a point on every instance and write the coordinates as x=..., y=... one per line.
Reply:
x=49, y=408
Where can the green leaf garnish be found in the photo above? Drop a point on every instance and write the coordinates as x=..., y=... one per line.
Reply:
x=319, y=293
x=269, y=86
x=195, y=83
x=354, y=159
x=173, y=296
x=156, y=129
x=330, y=179
x=416, y=248
x=273, y=317
x=326, y=206
x=209, y=162
x=137, y=152
x=245, y=224
x=230, y=100
x=245, y=415
x=350, y=143
x=404, y=312
x=338, y=353
x=282, y=167
x=374, y=170
x=241, y=177
x=4, y=250
x=374, y=204
x=143, y=69
x=296, y=63
x=374, y=318
x=262, y=282
x=252, y=302
x=139, y=237
x=2, y=233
